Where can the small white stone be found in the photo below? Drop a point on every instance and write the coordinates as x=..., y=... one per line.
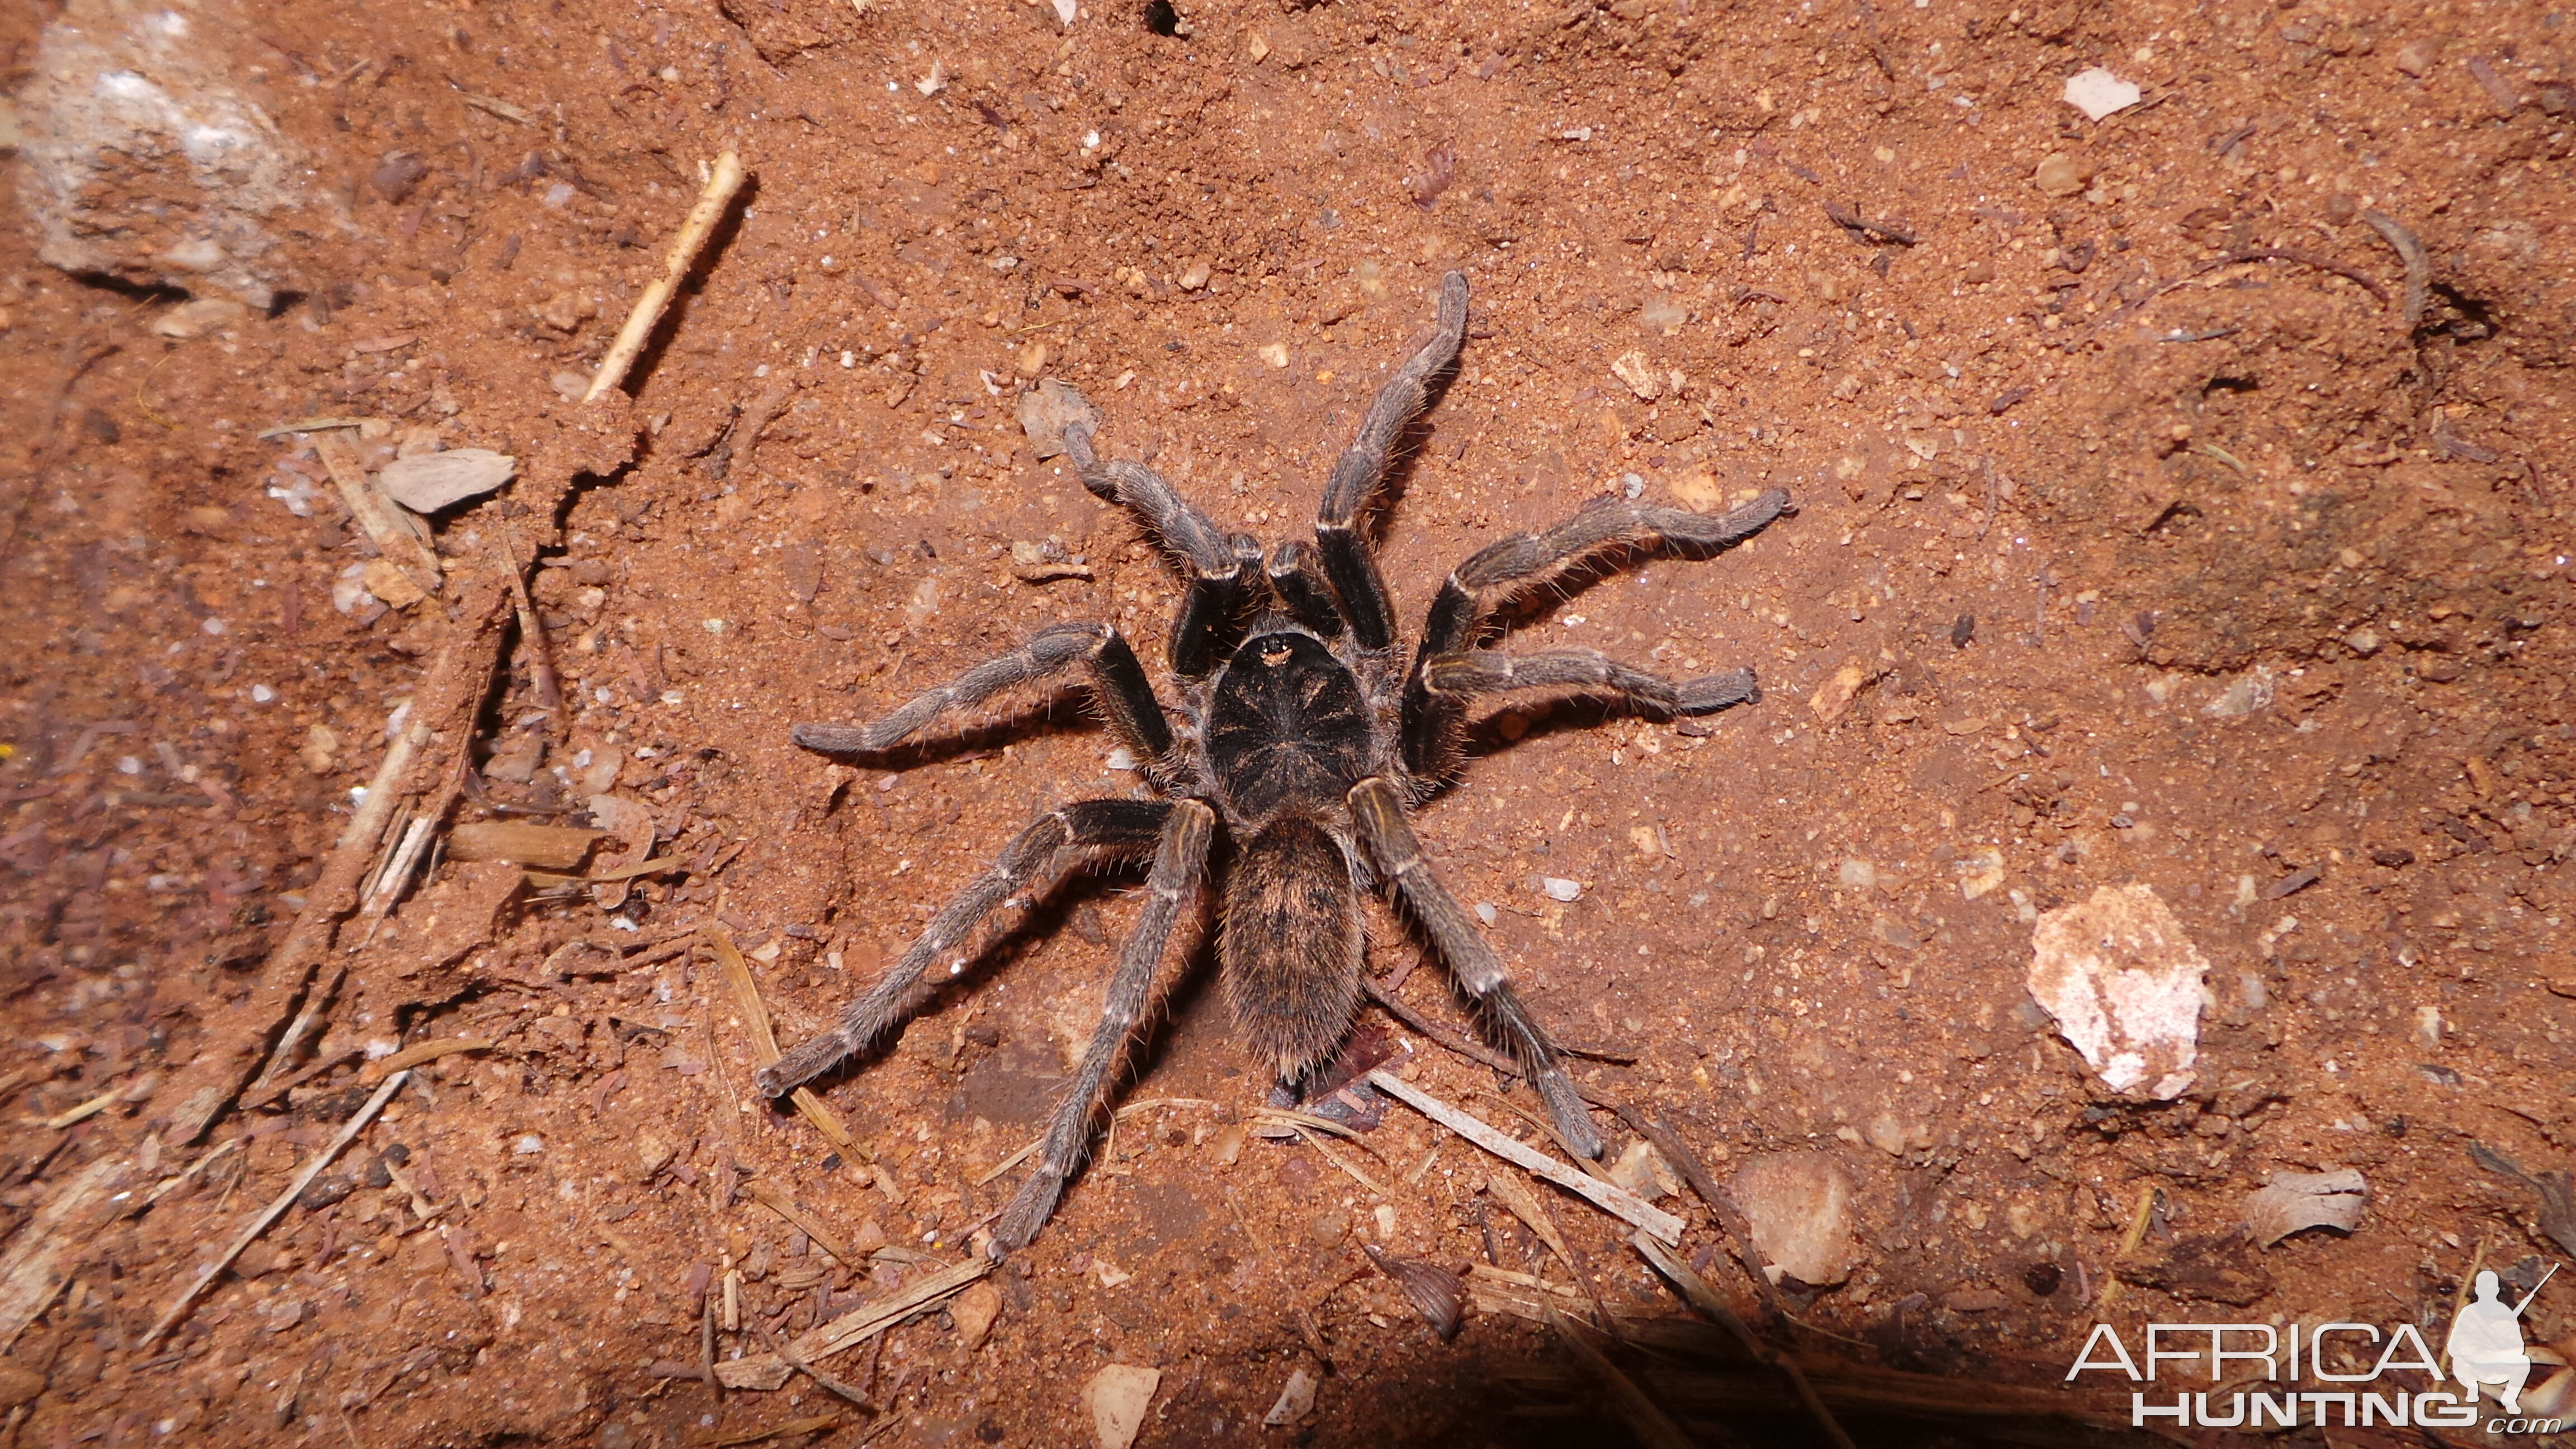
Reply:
x=2098, y=93
x=1486, y=913
x=528, y=1146
x=1560, y=889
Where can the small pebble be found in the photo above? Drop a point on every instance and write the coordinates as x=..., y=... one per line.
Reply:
x=528, y=1146
x=2060, y=175
x=1486, y=913
x=1560, y=889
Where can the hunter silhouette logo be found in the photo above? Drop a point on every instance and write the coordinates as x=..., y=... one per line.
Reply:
x=2485, y=1345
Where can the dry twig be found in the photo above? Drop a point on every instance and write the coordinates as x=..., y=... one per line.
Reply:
x=701, y=223
x=421, y=1053
x=2410, y=252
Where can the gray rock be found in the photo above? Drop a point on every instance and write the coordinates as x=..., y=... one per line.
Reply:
x=143, y=163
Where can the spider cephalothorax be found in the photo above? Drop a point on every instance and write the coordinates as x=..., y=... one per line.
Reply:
x=1303, y=738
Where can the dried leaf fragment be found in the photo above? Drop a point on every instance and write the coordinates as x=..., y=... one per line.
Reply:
x=1436, y=1293
x=2291, y=1202
x=428, y=482
x=2098, y=93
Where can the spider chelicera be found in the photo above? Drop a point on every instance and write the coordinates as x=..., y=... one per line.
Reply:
x=1301, y=739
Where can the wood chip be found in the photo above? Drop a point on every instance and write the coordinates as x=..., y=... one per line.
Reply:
x=1614, y=1200
x=400, y=537
x=419, y=1052
x=549, y=847
x=47, y=1250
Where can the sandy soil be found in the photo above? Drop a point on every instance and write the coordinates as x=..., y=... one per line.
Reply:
x=2154, y=527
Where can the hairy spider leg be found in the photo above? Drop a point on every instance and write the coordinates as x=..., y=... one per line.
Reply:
x=1377, y=809
x=1031, y=865
x=1118, y=682
x=1180, y=863
x=1494, y=574
x=1348, y=560
x=1480, y=673
x=1216, y=562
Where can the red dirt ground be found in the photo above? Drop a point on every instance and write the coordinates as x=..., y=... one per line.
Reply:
x=2140, y=539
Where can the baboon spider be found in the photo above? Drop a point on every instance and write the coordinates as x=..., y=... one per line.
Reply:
x=1301, y=739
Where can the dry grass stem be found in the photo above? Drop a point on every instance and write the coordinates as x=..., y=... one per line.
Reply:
x=764, y=1038
x=1337, y=1160
x=85, y=1110
x=396, y=531
x=769, y=1370
x=1644, y=1417
x=1696, y=1291
x=811, y=1226
x=277, y=1207
x=810, y=1424
x=1609, y=1197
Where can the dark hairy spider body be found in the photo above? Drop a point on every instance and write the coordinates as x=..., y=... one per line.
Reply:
x=1301, y=741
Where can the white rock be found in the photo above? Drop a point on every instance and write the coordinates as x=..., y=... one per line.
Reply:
x=2124, y=982
x=1559, y=888
x=1799, y=1207
x=1117, y=1397
x=1296, y=1401
x=197, y=318
x=2246, y=693
x=2098, y=93
x=142, y=160
x=431, y=481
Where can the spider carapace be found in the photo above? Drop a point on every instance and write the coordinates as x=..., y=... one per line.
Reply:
x=1302, y=737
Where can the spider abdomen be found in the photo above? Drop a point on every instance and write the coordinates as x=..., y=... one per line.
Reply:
x=1291, y=945
x=1287, y=725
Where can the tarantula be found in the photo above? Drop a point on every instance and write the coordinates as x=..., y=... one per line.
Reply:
x=1302, y=740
